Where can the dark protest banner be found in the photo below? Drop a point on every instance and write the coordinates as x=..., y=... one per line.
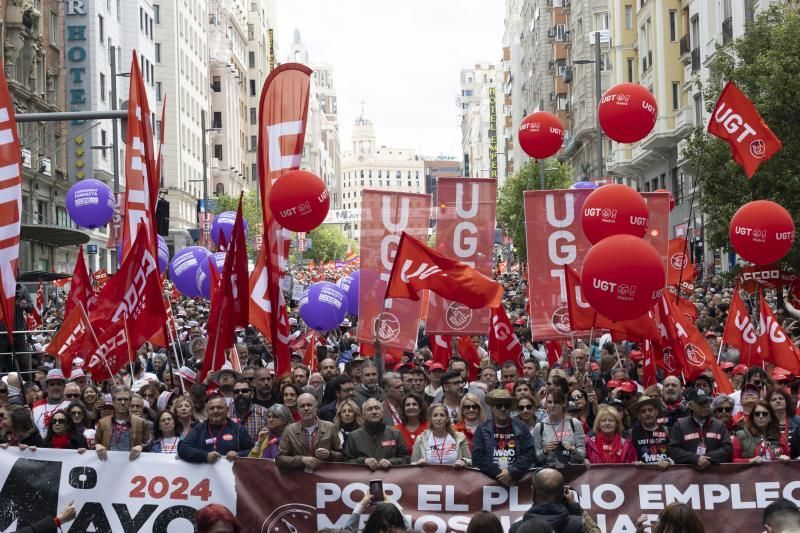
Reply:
x=465, y=213
x=554, y=238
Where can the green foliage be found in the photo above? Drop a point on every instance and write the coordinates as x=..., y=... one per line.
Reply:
x=251, y=211
x=765, y=64
x=328, y=243
x=510, y=205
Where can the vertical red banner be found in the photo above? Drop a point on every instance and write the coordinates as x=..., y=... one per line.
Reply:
x=384, y=216
x=554, y=238
x=465, y=221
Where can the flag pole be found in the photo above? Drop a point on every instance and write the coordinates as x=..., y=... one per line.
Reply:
x=128, y=346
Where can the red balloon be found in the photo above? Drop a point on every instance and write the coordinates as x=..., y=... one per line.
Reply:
x=628, y=112
x=622, y=277
x=762, y=232
x=671, y=198
x=299, y=201
x=612, y=210
x=541, y=135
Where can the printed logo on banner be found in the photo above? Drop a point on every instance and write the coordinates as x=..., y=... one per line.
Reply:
x=291, y=517
x=758, y=148
x=387, y=327
x=669, y=360
x=458, y=316
x=560, y=321
x=679, y=260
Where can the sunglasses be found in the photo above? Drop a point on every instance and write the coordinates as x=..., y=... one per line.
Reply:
x=763, y=414
x=241, y=391
x=59, y=421
x=525, y=408
x=469, y=407
x=502, y=406
x=72, y=396
x=758, y=383
x=724, y=409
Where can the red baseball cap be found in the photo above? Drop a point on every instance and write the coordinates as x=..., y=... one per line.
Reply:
x=740, y=370
x=636, y=355
x=434, y=366
x=725, y=365
x=625, y=384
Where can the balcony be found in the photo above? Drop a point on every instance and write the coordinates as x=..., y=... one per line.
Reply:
x=696, y=60
x=727, y=30
x=686, y=51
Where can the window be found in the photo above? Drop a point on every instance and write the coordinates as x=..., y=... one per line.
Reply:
x=251, y=60
x=141, y=19
x=601, y=21
x=698, y=110
x=628, y=17
x=216, y=84
x=673, y=25
x=101, y=29
x=676, y=100
x=561, y=31
x=158, y=91
x=103, y=141
x=251, y=32
x=630, y=70
x=253, y=143
x=157, y=13
x=53, y=28
x=252, y=87
x=253, y=116
x=605, y=61
x=102, y=87
x=217, y=120
x=218, y=151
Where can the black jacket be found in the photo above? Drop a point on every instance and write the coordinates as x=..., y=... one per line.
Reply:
x=686, y=436
x=203, y=439
x=561, y=518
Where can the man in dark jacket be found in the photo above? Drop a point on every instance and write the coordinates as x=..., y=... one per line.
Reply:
x=502, y=447
x=376, y=445
x=699, y=439
x=555, y=506
x=219, y=436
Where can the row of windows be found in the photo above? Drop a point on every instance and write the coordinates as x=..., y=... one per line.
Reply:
x=398, y=174
x=371, y=183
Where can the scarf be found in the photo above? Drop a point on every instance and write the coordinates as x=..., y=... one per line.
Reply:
x=374, y=427
x=60, y=441
x=611, y=447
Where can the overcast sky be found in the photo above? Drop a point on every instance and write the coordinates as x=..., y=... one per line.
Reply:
x=403, y=58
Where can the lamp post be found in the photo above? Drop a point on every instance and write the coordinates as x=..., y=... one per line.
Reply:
x=204, y=129
x=598, y=97
x=114, y=125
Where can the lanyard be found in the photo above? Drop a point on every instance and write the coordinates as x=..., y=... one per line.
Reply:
x=439, y=450
x=393, y=412
x=560, y=434
x=214, y=437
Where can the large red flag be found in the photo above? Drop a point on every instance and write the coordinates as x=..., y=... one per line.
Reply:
x=74, y=337
x=229, y=309
x=141, y=181
x=81, y=289
x=736, y=120
x=679, y=259
x=740, y=332
x=281, y=132
x=778, y=346
x=10, y=205
x=503, y=343
x=417, y=267
x=113, y=353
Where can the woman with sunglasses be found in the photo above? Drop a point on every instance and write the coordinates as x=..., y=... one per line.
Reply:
x=722, y=410
x=269, y=438
x=440, y=444
x=526, y=411
x=470, y=416
x=584, y=410
x=17, y=428
x=61, y=434
x=760, y=440
x=413, y=420
x=77, y=415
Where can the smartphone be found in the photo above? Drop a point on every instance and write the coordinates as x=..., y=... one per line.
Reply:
x=376, y=490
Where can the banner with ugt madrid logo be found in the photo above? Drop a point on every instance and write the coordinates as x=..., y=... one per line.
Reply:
x=465, y=211
x=555, y=238
x=384, y=217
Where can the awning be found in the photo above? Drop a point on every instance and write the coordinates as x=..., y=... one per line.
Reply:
x=53, y=235
x=37, y=275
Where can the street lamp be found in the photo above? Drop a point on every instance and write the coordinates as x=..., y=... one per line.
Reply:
x=598, y=96
x=114, y=125
x=205, y=159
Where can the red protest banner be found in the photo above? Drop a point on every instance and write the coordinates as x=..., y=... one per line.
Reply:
x=465, y=221
x=384, y=217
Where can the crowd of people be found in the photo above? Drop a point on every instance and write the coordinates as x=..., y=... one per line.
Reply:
x=590, y=407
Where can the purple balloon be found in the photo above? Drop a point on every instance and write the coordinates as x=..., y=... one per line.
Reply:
x=349, y=284
x=323, y=306
x=183, y=269
x=203, y=276
x=90, y=203
x=583, y=185
x=163, y=254
x=224, y=222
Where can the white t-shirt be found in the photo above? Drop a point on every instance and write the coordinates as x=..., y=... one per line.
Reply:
x=440, y=451
x=43, y=412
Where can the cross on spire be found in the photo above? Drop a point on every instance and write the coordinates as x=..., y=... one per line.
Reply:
x=363, y=103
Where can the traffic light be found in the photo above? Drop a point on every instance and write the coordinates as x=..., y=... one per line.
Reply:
x=162, y=218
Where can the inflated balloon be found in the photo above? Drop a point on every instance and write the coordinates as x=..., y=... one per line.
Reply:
x=349, y=284
x=90, y=203
x=622, y=277
x=299, y=201
x=183, y=269
x=323, y=306
x=583, y=185
x=614, y=209
x=762, y=232
x=541, y=135
x=163, y=254
x=627, y=112
x=203, y=274
x=671, y=198
x=223, y=223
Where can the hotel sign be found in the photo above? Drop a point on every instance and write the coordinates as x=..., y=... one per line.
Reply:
x=492, y=134
x=79, y=88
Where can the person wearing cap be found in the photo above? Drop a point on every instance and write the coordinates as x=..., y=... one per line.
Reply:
x=649, y=438
x=757, y=377
x=502, y=448
x=122, y=431
x=737, y=376
x=225, y=378
x=78, y=376
x=218, y=437
x=375, y=444
x=434, y=388
x=704, y=382
x=305, y=444
x=44, y=409
x=699, y=439
x=674, y=406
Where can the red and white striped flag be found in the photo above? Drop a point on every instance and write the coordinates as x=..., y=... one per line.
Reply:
x=140, y=165
x=10, y=204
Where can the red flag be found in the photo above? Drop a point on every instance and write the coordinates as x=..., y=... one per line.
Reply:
x=81, y=289
x=228, y=309
x=468, y=352
x=308, y=344
x=736, y=120
x=441, y=349
x=417, y=267
x=133, y=293
x=112, y=354
x=679, y=259
x=10, y=205
x=283, y=109
x=140, y=164
x=162, y=338
x=503, y=343
x=648, y=365
x=33, y=317
x=740, y=332
x=553, y=351
x=779, y=348
x=260, y=305
x=74, y=337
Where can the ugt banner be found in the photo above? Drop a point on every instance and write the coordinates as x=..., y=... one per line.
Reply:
x=465, y=223
x=156, y=492
x=554, y=238
x=384, y=216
